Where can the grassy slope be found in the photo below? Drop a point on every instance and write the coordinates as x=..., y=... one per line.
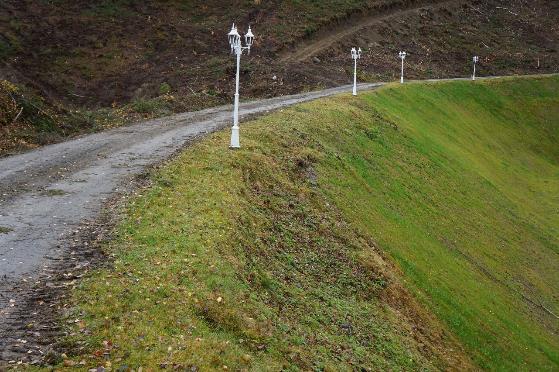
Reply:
x=265, y=257
x=464, y=197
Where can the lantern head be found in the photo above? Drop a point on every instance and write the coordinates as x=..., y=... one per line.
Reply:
x=234, y=38
x=249, y=38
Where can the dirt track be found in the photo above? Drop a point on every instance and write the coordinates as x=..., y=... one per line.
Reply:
x=46, y=194
x=322, y=40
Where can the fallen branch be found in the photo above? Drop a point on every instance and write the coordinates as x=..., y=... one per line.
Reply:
x=549, y=311
x=17, y=116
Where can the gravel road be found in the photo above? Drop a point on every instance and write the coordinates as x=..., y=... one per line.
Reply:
x=47, y=193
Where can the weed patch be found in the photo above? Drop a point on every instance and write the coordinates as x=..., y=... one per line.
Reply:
x=5, y=230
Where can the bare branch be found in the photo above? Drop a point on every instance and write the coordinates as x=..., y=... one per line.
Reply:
x=17, y=116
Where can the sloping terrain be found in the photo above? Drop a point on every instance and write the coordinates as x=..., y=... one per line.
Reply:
x=330, y=36
x=119, y=61
x=51, y=199
x=300, y=250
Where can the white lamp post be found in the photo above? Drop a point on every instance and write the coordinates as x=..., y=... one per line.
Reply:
x=237, y=48
x=355, y=55
x=402, y=57
x=476, y=60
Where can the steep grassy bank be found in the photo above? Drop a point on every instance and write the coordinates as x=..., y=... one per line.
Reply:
x=463, y=194
x=279, y=255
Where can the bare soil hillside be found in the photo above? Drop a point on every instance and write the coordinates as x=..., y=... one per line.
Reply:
x=91, y=55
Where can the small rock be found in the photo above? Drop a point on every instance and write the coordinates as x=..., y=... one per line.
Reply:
x=69, y=363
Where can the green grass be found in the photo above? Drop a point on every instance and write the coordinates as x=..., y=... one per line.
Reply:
x=54, y=192
x=279, y=255
x=5, y=230
x=464, y=196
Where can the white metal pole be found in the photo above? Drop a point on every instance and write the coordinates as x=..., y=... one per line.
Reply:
x=474, y=75
x=402, y=76
x=355, y=78
x=235, y=130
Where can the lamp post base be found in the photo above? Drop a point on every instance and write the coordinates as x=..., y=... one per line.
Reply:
x=235, y=138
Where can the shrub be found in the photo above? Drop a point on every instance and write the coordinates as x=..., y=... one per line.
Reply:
x=164, y=88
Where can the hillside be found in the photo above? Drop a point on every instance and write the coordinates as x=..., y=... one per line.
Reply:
x=121, y=61
x=411, y=227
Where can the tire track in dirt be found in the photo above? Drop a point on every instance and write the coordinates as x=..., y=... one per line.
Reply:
x=327, y=37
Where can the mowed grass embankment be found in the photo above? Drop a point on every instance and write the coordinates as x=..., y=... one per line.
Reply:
x=290, y=252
